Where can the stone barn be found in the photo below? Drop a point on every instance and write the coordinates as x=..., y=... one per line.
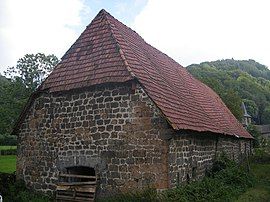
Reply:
x=119, y=109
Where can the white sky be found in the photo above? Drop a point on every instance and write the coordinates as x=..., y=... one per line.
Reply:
x=190, y=31
x=32, y=26
x=195, y=31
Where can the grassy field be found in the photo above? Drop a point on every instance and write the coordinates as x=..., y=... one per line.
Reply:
x=7, y=147
x=261, y=191
x=7, y=163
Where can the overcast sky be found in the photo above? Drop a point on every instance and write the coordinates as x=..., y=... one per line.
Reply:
x=190, y=31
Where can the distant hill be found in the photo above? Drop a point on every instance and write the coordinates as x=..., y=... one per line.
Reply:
x=237, y=80
x=250, y=66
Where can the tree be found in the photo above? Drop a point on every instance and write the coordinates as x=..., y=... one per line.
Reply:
x=256, y=134
x=13, y=96
x=252, y=108
x=266, y=115
x=23, y=79
x=32, y=69
x=233, y=102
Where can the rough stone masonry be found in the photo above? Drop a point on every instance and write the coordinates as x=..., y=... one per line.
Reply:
x=118, y=131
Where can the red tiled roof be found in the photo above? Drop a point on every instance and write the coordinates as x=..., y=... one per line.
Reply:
x=109, y=51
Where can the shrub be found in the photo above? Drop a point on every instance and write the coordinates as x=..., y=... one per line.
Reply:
x=258, y=139
x=225, y=182
x=261, y=155
x=8, y=152
x=16, y=191
x=6, y=139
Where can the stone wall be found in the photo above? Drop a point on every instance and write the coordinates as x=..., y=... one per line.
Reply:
x=191, y=155
x=115, y=129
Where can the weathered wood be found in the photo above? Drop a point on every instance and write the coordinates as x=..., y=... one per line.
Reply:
x=78, y=176
x=76, y=191
x=77, y=188
x=70, y=198
x=85, y=195
x=76, y=183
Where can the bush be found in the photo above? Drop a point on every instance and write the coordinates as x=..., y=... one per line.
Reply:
x=223, y=186
x=5, y=180
x=8, y=152
x=261, y=155
x=6, y=139
x=221, y=163
x=225, y=181
x=16, y=191
x=258, y=139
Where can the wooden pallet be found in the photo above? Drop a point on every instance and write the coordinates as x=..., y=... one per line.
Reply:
x=71, y=189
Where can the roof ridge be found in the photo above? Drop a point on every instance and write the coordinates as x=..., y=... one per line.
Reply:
x=155, y=66
x=127, y=44
x=120, y=49
x=117, y=43
x=124, y=58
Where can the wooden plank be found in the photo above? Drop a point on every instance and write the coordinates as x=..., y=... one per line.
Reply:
x=76, y=191
x=73, y=194
x=84, y=194
x=78, y=176
x=75, y=183
x=73, y=198
x=80, y=189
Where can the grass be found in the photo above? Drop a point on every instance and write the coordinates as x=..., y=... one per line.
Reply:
x=7, y=147
x=261, y=190
x=7, y=163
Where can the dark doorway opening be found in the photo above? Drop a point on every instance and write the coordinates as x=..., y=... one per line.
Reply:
x=81, y=170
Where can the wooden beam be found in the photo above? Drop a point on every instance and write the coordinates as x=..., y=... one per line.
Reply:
x=78, y=176
x=76, y=183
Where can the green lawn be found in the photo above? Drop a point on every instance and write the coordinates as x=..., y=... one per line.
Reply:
x=261, y=191
x=7, y=147
x=7, y=163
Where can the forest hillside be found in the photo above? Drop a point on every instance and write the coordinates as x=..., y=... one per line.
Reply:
x=236, y=81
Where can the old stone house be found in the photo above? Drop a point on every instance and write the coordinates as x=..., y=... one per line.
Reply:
x=125, y=111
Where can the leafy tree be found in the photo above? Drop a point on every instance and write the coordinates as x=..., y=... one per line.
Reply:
x=32, y=69
x=251, y=107
x=23, y=79
x=233, y=102
x=13, y=96
x=256, y=134
x=266, y=115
